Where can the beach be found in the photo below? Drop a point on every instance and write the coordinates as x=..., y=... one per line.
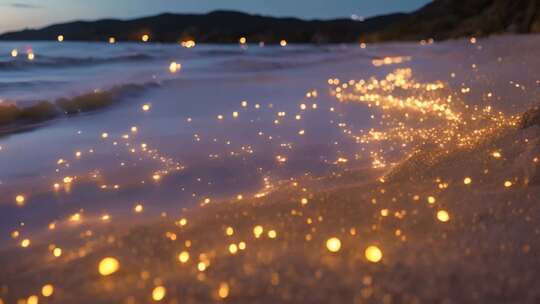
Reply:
x=384, y=173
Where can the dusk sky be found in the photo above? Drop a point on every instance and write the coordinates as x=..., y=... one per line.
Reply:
x=19, y=14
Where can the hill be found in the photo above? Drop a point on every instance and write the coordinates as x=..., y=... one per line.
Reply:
x=215, y=27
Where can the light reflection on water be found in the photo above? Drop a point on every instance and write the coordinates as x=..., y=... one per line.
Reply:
x=218, y=158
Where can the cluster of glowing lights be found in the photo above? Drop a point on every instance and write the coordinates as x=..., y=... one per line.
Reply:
x=390, y=60
x=416, y=114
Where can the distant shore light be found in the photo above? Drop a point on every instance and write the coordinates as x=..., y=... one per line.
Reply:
x=112, y=40
x=60, y=38
x=145, y=38
x=174, y=67
x=283, y=43
x=188, y=44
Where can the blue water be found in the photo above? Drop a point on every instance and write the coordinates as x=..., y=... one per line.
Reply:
x=218, y=158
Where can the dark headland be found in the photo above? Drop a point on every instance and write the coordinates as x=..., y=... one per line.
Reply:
x=440, y=19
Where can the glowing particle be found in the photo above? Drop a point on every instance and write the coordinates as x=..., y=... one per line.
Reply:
x=496, y=154
x=258, y=231
x=304, y=201
x=272, y=234
x=223, y=290
x=242, y=245
x=233, y=248
x=235, y=114
x=443, y=216
x=156, y=177
x=20, y=199
x=57, y=252
x=33, y=299
x=183, y=222
x=174, y=67
x=244, y=104
x=15, y=234
x=201, y=266
x=25, y=243
x=47, y=290
x=467, y=181
x=159, y=293
x=104, y=135
x=75, y=217
x=431, y=200
x=138, y=208
x=333, y=244
x=507, y=184
x=229, y=231
x=373, y=254
x=108, y=266
x=183, y=257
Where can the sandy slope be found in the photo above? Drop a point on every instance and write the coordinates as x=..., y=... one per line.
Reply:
x=487, y=252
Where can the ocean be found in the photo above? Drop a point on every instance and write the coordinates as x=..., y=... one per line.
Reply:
x=227, y=123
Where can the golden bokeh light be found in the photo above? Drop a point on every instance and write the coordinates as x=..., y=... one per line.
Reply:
x=443, y=216
x=47, y=290
x=108, y=266
x=333, y=244
x=373, y=254
x=159, y=293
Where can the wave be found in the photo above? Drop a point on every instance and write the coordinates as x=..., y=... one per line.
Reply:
x=262, y=63
x=29, y=84
x=53, y=61
x=14, y=118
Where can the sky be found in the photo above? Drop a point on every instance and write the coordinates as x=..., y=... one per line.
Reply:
x=19, y=14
